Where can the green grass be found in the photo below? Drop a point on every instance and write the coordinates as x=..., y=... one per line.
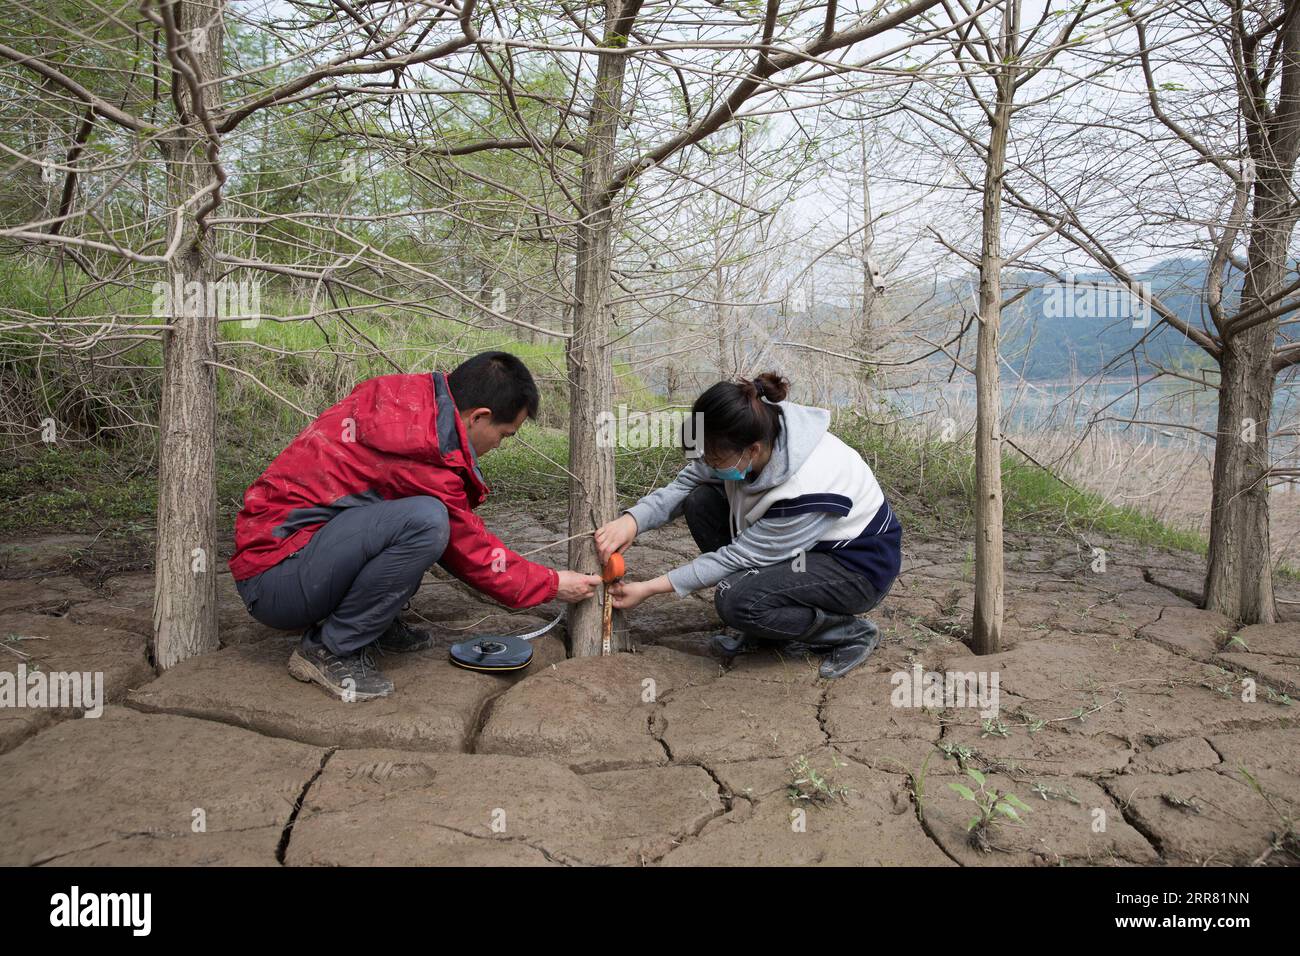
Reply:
x=101, y=473
x=516, y=472
x=537, y=470
x=333, y=354
x=108, y=483
x=83, y=490
x=87, y=486
x=1040, y=501
x=931, y=485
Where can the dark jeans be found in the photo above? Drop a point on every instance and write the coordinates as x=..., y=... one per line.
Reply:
x=776, y=601
x=352, y=578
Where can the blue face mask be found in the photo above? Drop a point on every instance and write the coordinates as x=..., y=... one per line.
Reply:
x=731, y=474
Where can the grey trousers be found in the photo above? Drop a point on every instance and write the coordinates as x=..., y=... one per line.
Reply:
x=349, y=583
x=774, y=602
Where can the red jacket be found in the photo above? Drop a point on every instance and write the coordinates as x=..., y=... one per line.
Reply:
x=395, y=436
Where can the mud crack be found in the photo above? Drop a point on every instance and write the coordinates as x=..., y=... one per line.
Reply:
x=283, y=848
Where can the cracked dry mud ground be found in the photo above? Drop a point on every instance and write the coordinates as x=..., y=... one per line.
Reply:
x=1121, y=725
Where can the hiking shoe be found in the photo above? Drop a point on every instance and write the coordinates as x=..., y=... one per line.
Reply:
x=402, y=639
x=351, y=678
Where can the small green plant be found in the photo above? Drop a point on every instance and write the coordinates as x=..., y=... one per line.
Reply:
x=990, y=804
x=1226, y=689
x=1032, y=723
x=1274, y=697
x=1181, y=804
x=1051, y=793
x=14, y=639
x=807, y=785
x=960, y=752
x=994, y=728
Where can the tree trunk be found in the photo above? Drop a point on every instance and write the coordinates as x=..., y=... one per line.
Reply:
x=986, y=637
x=1239, y=579
x=185, y=589
x=592, y=498
x=986, y=634
x=1239, y=574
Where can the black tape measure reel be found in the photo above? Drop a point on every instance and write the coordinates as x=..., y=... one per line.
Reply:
x=492, y=653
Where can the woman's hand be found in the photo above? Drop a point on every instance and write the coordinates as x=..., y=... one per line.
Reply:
x=628, y=594
x=615, y=536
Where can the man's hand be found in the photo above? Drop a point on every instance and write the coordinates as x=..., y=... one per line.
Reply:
x=615, y=536
x=575, y=587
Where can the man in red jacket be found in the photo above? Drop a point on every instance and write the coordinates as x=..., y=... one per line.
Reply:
x=336, y=535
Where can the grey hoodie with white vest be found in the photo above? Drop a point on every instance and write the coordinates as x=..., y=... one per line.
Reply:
x=814, y=494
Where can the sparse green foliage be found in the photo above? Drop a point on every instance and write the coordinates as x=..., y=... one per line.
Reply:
x=994, y=727
x=959, y=752
x=990, y=805
x=1051, y=793
x=810, y=786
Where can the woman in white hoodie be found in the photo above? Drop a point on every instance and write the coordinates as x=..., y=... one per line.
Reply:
x=790, y=522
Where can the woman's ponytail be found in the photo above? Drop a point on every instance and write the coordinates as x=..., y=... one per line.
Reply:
x=741, y=412
x=771, y=387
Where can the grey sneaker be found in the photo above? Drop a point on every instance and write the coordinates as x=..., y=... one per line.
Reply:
x=400, y=638
x=351, y=678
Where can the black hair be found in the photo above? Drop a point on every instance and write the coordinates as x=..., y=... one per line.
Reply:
x=735, y=415
x=495, y=380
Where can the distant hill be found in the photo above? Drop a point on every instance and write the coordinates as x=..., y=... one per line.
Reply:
x=1046, y=339
x=1058, y=332
x=1043, y=338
